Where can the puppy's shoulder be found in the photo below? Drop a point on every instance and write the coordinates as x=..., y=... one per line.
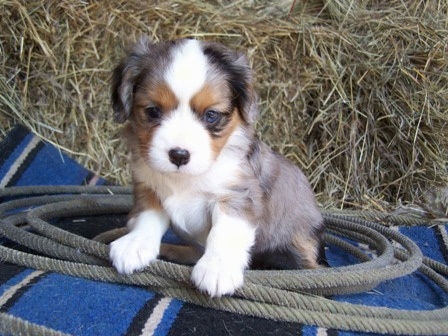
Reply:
x=262, y=159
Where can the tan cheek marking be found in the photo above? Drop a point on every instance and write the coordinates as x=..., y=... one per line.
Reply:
x=219, y=142
x=144, y=137
x=159, y=95
x=308, y=251
x=138, y=139
x=216, y=96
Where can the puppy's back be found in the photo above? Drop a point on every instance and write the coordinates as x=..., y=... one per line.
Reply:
x=289, y=233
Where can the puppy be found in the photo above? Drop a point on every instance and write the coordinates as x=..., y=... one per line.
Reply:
x=198, y=167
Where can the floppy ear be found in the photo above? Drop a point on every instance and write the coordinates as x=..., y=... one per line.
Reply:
x=124, y=79
x=242, y=86
x=239, y=77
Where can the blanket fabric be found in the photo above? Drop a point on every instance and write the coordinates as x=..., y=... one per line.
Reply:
x=82, y=307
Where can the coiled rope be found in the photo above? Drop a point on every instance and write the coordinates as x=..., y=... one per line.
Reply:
x=293, y=296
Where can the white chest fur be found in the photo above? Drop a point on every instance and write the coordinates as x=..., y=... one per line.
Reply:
x=189, y=200
x=190, y=215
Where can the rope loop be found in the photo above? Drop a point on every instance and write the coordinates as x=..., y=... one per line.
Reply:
x=293, y=296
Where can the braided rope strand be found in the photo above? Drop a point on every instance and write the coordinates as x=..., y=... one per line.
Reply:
x=291, y=296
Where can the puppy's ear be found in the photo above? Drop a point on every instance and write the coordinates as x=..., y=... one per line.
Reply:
x=124, y=79
x=243, y=89
x=238, y=74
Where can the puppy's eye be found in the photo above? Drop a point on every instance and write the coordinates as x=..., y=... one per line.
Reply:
x=153, y=112
x=211, y=116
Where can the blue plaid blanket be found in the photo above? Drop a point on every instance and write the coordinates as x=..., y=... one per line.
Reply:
x=83, y=307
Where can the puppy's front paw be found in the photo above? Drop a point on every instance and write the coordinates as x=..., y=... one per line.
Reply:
x=133, y=252
x=217, y=277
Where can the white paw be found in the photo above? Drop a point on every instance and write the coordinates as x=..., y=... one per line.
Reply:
x=133, y=252
x=217, y=277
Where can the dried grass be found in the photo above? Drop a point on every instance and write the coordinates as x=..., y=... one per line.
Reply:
x=355, y=92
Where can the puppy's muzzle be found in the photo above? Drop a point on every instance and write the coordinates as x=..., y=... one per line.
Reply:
x=179, y=156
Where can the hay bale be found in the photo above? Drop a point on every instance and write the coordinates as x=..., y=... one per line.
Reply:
x=355, y=92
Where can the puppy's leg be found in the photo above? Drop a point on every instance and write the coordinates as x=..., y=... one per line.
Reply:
x=138, y=248
x=187, y=255
x=220, y=271
x=308, y=251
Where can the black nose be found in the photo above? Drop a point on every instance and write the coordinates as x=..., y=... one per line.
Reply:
x=179, y=156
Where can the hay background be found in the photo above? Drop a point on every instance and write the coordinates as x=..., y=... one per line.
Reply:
x=354, y=92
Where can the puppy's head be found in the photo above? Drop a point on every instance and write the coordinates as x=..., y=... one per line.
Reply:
x=184, y=100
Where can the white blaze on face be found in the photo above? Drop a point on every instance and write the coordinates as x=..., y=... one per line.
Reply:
x=185, y=76
x=187, y=73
